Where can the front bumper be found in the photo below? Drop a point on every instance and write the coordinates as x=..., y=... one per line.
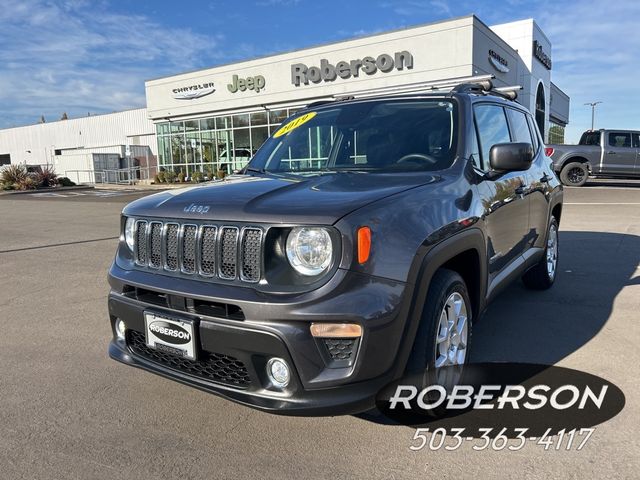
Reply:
x=272, y=327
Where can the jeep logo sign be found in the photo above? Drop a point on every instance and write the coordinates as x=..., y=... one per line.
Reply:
x=326, y=72
x=169, y=332
x=250, y=83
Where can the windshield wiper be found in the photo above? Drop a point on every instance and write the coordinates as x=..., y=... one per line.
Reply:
x=254, y=170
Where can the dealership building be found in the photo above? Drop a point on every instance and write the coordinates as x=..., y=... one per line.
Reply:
x=216, y=118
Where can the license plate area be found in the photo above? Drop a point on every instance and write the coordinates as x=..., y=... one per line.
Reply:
x=170, y=335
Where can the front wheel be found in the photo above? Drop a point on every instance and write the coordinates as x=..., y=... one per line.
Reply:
x=444, y=334
x=543, y=274
x=574, y=174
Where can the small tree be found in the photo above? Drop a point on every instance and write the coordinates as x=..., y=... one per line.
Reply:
x=42, y=120
x=64, y=116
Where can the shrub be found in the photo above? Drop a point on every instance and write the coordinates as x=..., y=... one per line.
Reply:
x=170, y=176
x=65, y=182
x=181, y=176
x=160, y=176
x=13, y=174
x=197, y=177
x=46, y=177
x=29, y=182
x=221, y=174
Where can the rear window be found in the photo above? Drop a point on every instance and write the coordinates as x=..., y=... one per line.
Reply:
x=590, y=138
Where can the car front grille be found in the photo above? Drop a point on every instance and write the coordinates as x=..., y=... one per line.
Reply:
x=214, y=367
x=209, y=251
x=340, y=348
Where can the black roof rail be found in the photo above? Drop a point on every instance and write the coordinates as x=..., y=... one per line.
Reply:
x=476, y=87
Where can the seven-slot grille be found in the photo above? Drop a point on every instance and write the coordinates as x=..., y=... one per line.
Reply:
x=226, y=252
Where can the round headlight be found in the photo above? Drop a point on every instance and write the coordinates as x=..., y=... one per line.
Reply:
x=129, y=231
x=309, y=250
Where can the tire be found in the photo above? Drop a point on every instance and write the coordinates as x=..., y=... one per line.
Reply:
x=426, y=354
x=544, y=273
x=574, y=174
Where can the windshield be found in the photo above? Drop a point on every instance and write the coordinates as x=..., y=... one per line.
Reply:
x=392, y=135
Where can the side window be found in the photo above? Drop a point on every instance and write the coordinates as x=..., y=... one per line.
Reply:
x=636, y=140
x=519, y=127
x=492, y=128
x=620, y=139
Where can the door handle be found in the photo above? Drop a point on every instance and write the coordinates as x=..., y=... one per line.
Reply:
x=611, y=153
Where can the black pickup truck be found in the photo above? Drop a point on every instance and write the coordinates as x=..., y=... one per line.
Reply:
x=362, y=242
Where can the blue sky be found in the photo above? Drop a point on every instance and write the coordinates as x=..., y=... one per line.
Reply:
x=81, y=56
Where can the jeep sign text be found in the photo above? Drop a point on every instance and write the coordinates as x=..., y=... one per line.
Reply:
x=326, y=72
x=250, y=83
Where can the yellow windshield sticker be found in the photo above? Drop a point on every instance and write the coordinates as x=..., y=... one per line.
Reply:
x=293, y=124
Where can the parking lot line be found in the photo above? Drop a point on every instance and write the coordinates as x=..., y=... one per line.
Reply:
x=602, y=203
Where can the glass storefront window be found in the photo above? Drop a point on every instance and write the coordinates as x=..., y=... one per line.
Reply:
x=207, y=124
x=191, y=126
x=259, y=118
x=277, y=116
x=225, y=142
x=162, y=128
x=241, y=120
x=223, y=122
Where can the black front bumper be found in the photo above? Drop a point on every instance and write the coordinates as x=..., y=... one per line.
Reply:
x=240, y=348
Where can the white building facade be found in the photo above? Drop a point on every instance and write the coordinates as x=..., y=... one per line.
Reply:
x=79, y=147
x=217, y=117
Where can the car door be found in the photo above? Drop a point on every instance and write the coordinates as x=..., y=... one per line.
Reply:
x=523, y=129
x=506, y=205
x=636, y=145
x=619, y=154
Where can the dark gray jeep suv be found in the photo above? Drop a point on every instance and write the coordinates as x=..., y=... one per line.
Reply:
x=361, y=243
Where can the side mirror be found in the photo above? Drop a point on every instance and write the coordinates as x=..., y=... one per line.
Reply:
x=509, y=157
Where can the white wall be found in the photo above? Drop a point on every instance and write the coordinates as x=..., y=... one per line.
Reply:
x=36, y=144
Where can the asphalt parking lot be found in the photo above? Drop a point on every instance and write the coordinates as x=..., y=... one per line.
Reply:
x=68, y=411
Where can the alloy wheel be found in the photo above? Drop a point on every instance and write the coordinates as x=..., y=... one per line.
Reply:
x=452, y=336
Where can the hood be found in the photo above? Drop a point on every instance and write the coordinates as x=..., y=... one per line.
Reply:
x=320, y=199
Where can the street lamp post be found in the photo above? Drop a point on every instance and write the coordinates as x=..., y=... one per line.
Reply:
x=593, y=112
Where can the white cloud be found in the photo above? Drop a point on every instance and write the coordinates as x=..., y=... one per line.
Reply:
x=80, y=56
x=420, y=8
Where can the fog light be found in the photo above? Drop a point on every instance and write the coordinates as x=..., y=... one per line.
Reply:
x=121, y=328
x=278, y=372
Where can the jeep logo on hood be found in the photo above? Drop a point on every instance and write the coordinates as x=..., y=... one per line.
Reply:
x=170, y=332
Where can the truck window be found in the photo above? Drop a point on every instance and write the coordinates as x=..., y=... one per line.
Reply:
x=620, y=139
x=519, y=129
x=590, y=138
x=636, y=140
x=492, y=128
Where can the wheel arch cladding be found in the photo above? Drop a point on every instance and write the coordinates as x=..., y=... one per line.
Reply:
x=466, y=252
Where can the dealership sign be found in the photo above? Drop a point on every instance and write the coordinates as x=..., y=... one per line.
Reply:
x=255, y=83
x=498, y=62
x=193, y=91
x=540, y=54
x=327, y=72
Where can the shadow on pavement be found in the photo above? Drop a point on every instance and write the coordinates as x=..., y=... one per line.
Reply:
x=543, y=327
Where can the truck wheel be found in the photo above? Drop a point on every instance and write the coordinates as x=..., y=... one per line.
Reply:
x=444, y=334
x=574, y=174
x=543, y=274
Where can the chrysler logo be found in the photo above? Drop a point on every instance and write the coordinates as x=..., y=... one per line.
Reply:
x=193, y=91
x=170, y=333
